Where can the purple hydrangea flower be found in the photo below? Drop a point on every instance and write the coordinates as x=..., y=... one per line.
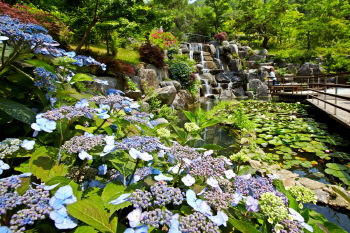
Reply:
x=252, y=205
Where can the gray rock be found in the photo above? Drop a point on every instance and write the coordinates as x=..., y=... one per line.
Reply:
x=137, y=81
x=223, y=85
x=135, y=95
x=185, y=50
x=209, y=65
x=238, y=91
x=199, y=68
x=263, y=52
x=255, y=164
x=215, y=43
x=225, y=43
x=150, y=76
x=173, y=83
x=246, y=48
x=221, y=78
x=292, y=67
x=250, y=64
x=161, y=72
x=113, y=83
x=311, y=184
x=235, y=65
x=217, y=63
x=282, y=64
x=255, y=84
x=263, y=90
x=256, y=58
x=242, y=54
x=309, y=69
x=226, y=94
x=252, y=76
x=212, y=49
x=250, y=94
x=322, y=196
x=166, y=94
x=264, y=68
x=204, y=91
x=209, y=77
x=183, y=99
x=183, y=46
x=264, y=75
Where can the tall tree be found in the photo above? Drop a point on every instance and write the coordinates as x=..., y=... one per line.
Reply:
x=220, y=8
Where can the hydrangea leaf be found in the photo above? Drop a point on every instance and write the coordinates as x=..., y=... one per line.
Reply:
x=244, y=227
x=112, y=191
x=63, y=182
x=85, y=229
x=17, y=111
x=81, y=77
x=91, y=213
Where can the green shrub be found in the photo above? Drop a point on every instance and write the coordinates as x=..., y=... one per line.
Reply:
x=172, y=51
x=130, y=84
x=180, y=68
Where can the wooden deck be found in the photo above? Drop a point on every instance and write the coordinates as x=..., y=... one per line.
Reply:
x=338, y=114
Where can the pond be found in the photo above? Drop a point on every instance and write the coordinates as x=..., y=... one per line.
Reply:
x=226, y=138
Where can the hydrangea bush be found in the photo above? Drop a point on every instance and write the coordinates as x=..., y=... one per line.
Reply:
x=99, y=164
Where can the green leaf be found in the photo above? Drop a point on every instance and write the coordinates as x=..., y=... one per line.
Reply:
x=293, y=203
x=91, y=213
x=63, y=182
x=341, y=194
x=39, y=63
x=306, y=214
x=89, y=130
x=17, y=111
x=85, y=229
x=43, y=164
x=332, y=228
x=244, y=227
x=336, y=166
x=187, y=210
x=81, y=77
x=212, y=147
x=211, y=122
x=41, y=96
x=112, y=191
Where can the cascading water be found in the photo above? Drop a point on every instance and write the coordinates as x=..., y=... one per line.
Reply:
x=180, y=51
x=217, y=55
x=219, y=87
x=207, y=87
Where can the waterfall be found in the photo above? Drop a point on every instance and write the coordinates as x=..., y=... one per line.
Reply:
x=217, y=54
x=207, y=87
x=191, y=54
x=219, y=87
x=180, y=51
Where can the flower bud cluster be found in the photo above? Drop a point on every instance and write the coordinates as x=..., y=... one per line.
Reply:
x=69, y=113
x=197, y=222
x=141, y=199
x=81, y=143
x=88, y=173
x=142, y=143
x=164, y=195
x=157, y=218
x=208, y=166
x=191, y=127
x=45, y=79
x=183, y=152
x=273, y=207
x=114, y=174
x=163, y=133
x=302, y=194
x=218, y=200
x=9, y=198
x=240, y=157
x=9, y=146
x=290, y=226
x=115, y=100
x=143, y=172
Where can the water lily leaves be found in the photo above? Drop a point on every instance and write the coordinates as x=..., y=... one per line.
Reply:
x=268, y=137
x=275, y=142
x=336, y=173
x=260, y=141
x=287, y=157
x=307, y=164
x=336, y=166
x=342, y=155
x=345, y=180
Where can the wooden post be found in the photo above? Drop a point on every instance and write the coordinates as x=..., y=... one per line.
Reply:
x=336, y=92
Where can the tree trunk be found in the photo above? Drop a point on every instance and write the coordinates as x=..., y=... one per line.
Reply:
x=87, y=32
x=264, y=44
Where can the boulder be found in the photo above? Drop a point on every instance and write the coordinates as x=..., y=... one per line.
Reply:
x=185, y=50
x=137, y=81
x=309, y=69
x=149, y=76
x=216, y=91
x=282, y=64
x=205, y=90
x=179, y=103
x=217, y=63
x=113, y=83
x=221, y=78
x=238, y=91
x=264, y=68
x=242, y=54
x=225, y=43
x=255, y=84
x=264, y=75
x=263, y=90
x=183, y=46
x=263, y=52
x=209, y=65
x=166, y=94
x=209, y=77
x=223, y=85
x=212, y=50
x=208, y=58
x=215, y=43
x=321, y=195
x=252, y=76
x=235, y=65
x=250, y=94
x=256, y=58
x=226, y=94
x=292, y=67
x=161, y=72
x=173, y=83
x=246, y=48
x=199, y=68
x=250, y=64
x=311, y=184
x=135, y=95
x=183, y=99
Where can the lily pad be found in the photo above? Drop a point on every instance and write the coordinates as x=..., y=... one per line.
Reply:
x=307, y=164
x=336, y=166
x=339, y=174
x=275, y=142
x=345, y=180
x=287, y=157
x=268, y=137
x=342, y=155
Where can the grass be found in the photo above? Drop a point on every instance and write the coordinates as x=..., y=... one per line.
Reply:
x=124, y=54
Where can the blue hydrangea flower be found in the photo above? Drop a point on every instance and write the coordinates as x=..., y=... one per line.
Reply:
x=174, y=228
x=96, y=184
x=135, y=154
x=3, y=166
x=5, y=229
x=140, y=229
x=114, y=91
x=28, y=145
x=122, y=198
x=103, y=111
x=63, y=196
x=135, y=217
x=197, y=204
x=220, y=219
x=43, y=124
x=102, y=170
x=62, y=219
x=252, y=204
